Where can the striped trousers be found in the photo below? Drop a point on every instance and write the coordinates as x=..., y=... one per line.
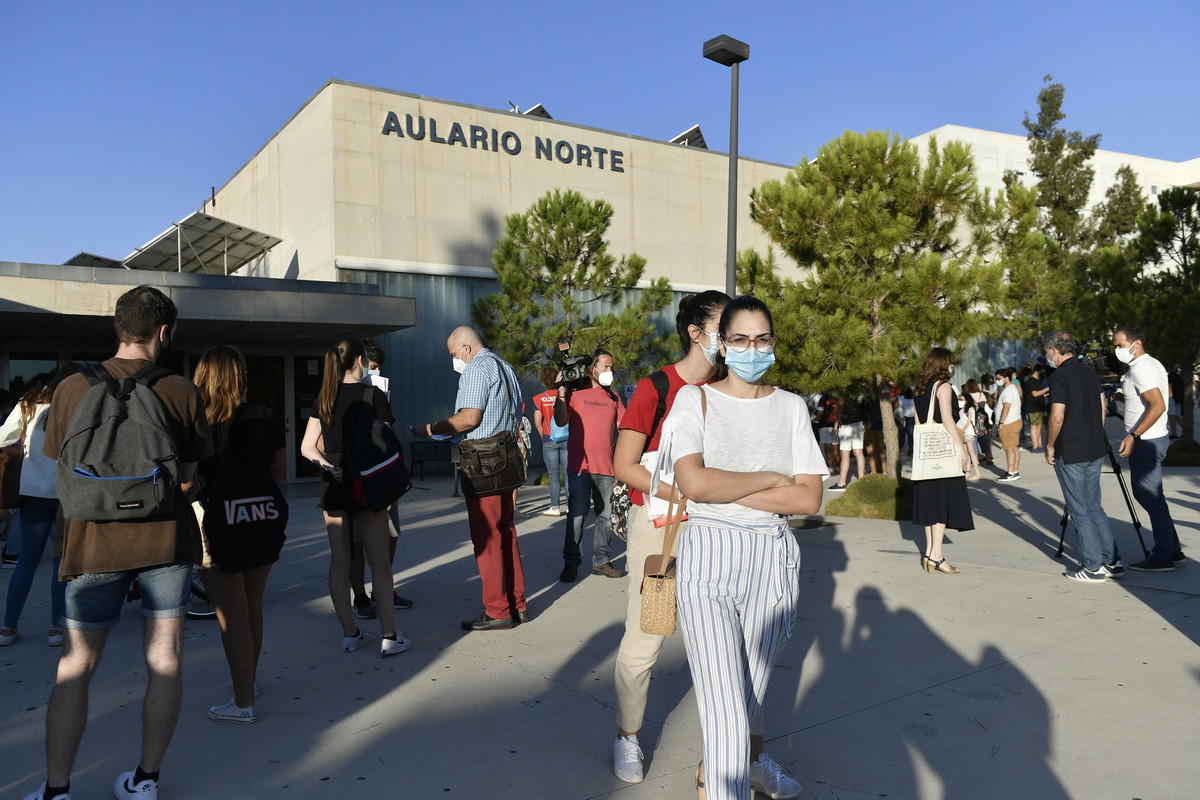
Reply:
x=738, y=590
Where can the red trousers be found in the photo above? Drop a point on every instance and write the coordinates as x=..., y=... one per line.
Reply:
x=497, y=554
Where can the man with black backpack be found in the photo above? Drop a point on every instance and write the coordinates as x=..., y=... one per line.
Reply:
x=127, y=435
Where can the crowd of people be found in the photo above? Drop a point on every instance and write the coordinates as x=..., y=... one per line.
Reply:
x=746, y=455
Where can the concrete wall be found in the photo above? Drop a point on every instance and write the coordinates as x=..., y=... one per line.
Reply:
x=331, y=183
x=286, y=190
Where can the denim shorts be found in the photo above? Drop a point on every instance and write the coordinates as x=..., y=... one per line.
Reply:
x=94, y=601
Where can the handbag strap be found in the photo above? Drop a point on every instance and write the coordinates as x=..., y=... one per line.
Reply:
x=512, y=405
x=674, y=520
x=930, y=410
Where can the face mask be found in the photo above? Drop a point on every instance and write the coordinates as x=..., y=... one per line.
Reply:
x=951, y=369
x=459, y=365
x=711, y=349
x=369, y=371
x=750, y=365
x=1123, y=355
x=605, y=378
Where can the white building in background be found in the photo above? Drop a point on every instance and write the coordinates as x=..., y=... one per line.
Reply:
x=996, y=153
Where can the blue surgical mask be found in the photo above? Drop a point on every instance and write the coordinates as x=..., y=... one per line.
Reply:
x=750, y=365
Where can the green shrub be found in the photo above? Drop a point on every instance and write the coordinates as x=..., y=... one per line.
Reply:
x=874, y=497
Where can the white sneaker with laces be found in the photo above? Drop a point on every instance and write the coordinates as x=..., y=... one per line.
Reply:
x=123, y=788
x=40, y=794
x=232, y=712
x=769, y=778
x=391, y=647
x=627, y=759
x=352, y=643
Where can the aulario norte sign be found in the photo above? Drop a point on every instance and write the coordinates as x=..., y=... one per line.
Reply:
x=477, y=137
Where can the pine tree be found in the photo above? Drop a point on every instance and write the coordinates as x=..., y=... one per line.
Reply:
x=894, y=253
x=559, y=282
x=1060, y=160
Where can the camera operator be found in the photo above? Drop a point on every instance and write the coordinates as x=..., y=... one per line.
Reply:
x=1075, y=446
x=1145, y=443
x=593, y=411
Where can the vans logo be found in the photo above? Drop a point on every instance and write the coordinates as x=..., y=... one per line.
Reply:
x=250, y=509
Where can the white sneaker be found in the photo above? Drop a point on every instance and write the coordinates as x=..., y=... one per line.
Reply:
x=40, y=794
x=391, y=647
x=124, y=790
x=769, y=778
x=352, y=643
x=231, y=712
x=552, y=511
x=627, y=759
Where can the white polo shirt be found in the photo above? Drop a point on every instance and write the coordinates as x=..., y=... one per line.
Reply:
x=1145, y=373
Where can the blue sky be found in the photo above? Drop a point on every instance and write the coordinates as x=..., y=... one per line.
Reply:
x=116, y=118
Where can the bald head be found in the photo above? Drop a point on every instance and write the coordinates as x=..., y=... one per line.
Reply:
x=464, y=343
x=465, y=334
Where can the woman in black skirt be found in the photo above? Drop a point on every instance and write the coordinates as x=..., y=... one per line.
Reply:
x=942, y=502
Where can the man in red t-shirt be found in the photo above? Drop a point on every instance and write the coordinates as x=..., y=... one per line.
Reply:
x=593, y=411
x=554, y=454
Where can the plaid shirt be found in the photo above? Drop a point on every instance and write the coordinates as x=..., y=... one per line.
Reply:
x=481, y=386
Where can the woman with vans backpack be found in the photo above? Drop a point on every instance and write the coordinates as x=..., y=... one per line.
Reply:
x=343, y=401
x=243, y=517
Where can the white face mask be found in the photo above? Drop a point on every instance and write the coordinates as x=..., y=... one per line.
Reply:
x=1124, y=355
x=459, y=365
x=369, y=371
x=605, y=378
x=711, y=349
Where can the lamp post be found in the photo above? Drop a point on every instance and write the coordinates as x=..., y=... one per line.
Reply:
x=730, y=52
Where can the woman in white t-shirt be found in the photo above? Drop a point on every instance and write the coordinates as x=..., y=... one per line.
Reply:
x=746, y=458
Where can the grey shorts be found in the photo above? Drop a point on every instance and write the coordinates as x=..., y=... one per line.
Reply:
x=94, y=601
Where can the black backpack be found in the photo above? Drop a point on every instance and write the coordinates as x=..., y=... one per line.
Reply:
x=373, y=468
x=243, y=506
x=118, y=460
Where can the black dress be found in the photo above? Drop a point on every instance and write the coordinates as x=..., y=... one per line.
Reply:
x=942, y=500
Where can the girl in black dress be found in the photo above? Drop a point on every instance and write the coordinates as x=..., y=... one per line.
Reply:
x=942, y=502
x=237, y=580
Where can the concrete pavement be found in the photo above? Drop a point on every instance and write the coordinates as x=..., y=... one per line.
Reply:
x=1005, y=681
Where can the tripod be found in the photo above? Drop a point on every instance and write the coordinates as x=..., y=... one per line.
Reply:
x=1137, y=524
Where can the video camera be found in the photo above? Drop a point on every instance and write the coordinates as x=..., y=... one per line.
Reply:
x=574, y=368
x=1105, y=364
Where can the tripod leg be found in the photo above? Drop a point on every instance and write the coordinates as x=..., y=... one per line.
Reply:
x=1137, y=523
x=1062, y=536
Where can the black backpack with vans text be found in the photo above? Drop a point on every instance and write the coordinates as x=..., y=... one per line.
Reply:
x=118, y=460
x=243, y=506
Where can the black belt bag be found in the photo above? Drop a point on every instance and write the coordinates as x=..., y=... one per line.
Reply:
x=491, y=466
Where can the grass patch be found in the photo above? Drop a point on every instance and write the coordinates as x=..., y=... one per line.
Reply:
x=1183, y=453
x=874, y=497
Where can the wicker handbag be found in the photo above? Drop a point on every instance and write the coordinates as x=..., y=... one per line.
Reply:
x=658, y=585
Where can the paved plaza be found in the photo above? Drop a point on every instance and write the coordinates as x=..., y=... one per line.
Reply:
x=1007, y=681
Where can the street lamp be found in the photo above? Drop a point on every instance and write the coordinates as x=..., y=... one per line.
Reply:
x=730, y=52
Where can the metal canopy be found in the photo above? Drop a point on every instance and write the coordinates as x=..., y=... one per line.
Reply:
x=692, y=137
x=201, y=243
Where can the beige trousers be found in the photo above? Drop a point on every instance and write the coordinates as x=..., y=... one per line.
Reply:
x=638, y=651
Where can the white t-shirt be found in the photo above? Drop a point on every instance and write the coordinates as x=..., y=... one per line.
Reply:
x=740, y=435
x=1145, y=373
x=1012, y=396
x=908, y=406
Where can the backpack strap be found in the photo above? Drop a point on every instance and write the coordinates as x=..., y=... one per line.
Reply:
x=96, y=373
x=662, y=385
